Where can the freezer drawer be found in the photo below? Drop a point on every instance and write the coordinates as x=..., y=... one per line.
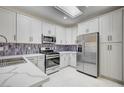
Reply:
x=80, y=66
x=90, y=69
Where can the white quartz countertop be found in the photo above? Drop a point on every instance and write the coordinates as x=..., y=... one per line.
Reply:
x=21, y=75
x=67, y=52
x=26, y=55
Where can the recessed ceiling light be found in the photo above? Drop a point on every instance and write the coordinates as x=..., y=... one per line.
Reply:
x=65, y=17
x=71, y=11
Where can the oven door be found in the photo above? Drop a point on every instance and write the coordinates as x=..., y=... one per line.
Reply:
x=52, y=61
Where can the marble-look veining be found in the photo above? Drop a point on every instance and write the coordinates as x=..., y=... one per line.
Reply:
x=21, y=75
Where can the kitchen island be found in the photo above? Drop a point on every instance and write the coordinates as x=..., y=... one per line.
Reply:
x=22, y=75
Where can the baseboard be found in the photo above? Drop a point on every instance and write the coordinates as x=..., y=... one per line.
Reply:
x=118, y=81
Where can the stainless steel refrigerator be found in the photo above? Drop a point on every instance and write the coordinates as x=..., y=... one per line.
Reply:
x=88, y=54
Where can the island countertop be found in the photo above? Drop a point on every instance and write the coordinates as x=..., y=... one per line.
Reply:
x=22, y=75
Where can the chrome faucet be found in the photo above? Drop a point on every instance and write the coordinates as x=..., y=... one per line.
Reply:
x=4, y=37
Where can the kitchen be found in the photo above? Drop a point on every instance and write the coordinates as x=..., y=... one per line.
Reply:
x=81, y=49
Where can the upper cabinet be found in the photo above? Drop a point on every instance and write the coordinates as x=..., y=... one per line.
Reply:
x=28, y=30
x=48, y=29
x=68, y=35
x=88, y=27
x=8, y=25
x=23, y=29
x=111, y=27
x=60, y=35
x=71, y=33
x=36, y=31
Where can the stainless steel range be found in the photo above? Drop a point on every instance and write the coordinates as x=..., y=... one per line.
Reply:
x=52, y=60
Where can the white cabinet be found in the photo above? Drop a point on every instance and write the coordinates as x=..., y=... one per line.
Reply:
x=23, y=29
x=111, y=60
x=72, y=59
x=49, y=29
x=71, y=33
x=82, y=28
x=74, y=34
x=88, y=27
x=63, y=60
x=68, y=35
x=28, y=30
x=35, y=33
x=93, y=26
x=104, y=60
x=105, y=27
x=67, y=59
x=111, y=27
x=60, y=35
x=116, y=26
x=8, y=25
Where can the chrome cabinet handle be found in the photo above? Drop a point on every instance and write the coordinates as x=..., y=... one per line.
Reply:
x=108, y=47
x=111, y=37
x=14, y=37
x=108, y=37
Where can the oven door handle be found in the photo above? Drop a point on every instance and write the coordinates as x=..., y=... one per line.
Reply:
x=52, y=57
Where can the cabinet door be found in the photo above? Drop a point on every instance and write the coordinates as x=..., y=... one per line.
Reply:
x=105, y=23
x=8, y=25
x=116, y=61
x=62, y=60
x=74, y=35
x=52, y=29
x=23, y=29
x=72, y=59
x=68, y=35
x=36, y=31
x=105, y=64
x=93, y=25
x=60, y=35
x=116, y=26
x=46, y=29
x=83, y=28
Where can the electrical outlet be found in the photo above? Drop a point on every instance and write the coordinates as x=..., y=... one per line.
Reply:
x=1, y=49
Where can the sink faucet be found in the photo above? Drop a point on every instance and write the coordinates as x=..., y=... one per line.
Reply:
x=3, y=37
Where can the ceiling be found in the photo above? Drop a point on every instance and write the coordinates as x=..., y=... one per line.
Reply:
x=52, y=14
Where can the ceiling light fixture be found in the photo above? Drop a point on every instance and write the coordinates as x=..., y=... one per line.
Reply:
x=71, y=11
x=65, y=17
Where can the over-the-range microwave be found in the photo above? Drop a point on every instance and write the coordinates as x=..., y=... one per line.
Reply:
x=48, y=39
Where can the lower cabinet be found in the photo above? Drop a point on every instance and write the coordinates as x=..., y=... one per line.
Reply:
x=38, y=61
x=67, y=59
x=63, y=60
x=111, y=60
x=72, y=61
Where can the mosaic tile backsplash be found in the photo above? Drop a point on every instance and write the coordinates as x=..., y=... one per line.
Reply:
x=19, y=48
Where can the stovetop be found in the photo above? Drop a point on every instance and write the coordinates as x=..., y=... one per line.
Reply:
x=48, y=52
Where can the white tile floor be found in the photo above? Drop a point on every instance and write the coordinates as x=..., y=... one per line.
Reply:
x=69, y=77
